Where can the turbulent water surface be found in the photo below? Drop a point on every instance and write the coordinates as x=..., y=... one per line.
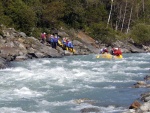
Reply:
x=56, y=85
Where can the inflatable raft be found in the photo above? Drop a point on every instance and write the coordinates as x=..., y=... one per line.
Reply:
x=66, y=48
x=108, y=56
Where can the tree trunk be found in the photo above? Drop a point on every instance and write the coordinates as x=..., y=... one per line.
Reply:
x=120, y=16
x=116, y=26
x=124, y=16
x=110, y=13
x=129, y=19
x=143, y=9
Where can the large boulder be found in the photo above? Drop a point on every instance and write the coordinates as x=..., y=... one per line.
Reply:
x=9, y=53
x=50, y=52
x=134, y=49
x=145, y=108
x=135, y=105
x=3, y=63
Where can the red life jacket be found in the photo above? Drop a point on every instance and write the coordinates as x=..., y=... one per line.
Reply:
x=43, y=35
x=117, y=52
x=105, y=51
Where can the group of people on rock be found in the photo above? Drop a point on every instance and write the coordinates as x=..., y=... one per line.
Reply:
x=114, y=51
x=53, y=40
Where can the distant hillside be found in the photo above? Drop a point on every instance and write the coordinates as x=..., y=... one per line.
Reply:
x=104, y=20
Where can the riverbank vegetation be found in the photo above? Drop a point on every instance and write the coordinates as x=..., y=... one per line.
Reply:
x=104, y=20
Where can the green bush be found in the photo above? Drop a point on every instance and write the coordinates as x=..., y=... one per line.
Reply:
x=22, y=15
x=141, y=34
x=100, y=32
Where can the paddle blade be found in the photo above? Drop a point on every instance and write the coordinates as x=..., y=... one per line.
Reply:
x=98, y=56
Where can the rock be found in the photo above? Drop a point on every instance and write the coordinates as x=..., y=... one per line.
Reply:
x=145, y=97
x=135, y=105
x=22, y=34
x=86, y=110
x=147, y=77
x=118, y=44
x=21, y=40
x=145, y=107
x=148, y=85
x=38, y=55
x=50, y=52
x=146, y=48
x=63, y=34
x=67, y=53
x=10, y=44
x=61, y=51
x=9, y=53
x=125, y=50
x=84, y=100
x=20, y=58
x=77, y=43
x=3, y=63
x=134, y=49
x=140, y=84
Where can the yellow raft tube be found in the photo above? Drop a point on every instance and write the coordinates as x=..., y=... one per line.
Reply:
x=108, y=56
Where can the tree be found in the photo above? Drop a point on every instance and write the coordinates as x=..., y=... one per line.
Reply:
x=110, y=13
x=23, y=16
x=3, y=18
x=124, y=16
x=53, y=12
x=129, y=20
x=141, y=34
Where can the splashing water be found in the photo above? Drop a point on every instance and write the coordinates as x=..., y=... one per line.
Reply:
x=69, y=84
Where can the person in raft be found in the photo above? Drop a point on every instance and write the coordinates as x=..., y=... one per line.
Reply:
x=116, y=52
x=70, y=45
x=103, y=50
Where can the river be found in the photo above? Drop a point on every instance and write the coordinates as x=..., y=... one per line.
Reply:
x=54, y=85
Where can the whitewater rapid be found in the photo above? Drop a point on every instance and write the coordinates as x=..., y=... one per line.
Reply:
x=53, y=85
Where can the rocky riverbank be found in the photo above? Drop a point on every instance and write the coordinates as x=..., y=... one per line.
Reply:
x=142, y=106
x=17, y=46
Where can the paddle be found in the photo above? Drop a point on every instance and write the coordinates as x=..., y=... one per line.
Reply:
x=98, y=56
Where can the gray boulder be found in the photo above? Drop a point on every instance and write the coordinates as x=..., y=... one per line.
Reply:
x=3, y=63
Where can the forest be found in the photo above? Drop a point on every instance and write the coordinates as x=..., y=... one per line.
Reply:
x=104, y=20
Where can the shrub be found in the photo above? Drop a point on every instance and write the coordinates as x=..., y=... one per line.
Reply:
x=100, y=32
x=141, y=34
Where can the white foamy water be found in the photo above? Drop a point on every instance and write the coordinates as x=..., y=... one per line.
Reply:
x=60, y=85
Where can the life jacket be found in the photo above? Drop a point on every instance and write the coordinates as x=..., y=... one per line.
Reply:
x=52, y=40
x=43, y=35
x=105, y=51
x=67, y=42
x=102, y=51
x=117, y=52
x=70, y=44
x=55, y=39
x=64, y=42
